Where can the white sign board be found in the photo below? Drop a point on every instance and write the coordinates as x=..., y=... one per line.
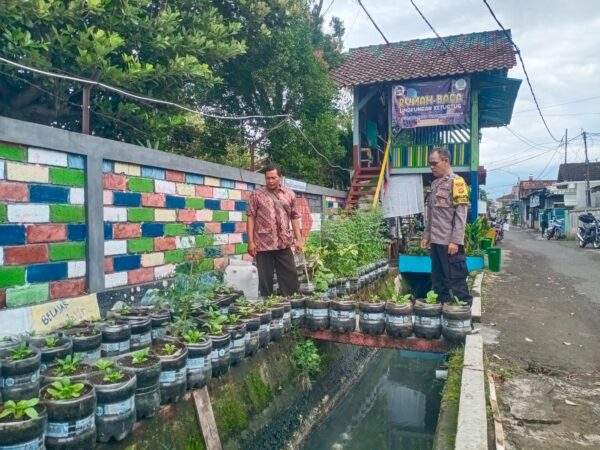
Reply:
x=294, y=185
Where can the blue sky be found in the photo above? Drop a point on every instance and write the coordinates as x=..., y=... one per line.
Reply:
x=560, y=45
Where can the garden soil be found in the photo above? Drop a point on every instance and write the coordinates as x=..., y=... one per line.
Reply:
x=541, y=329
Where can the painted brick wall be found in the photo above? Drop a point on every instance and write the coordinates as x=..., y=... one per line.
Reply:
x=42, y=225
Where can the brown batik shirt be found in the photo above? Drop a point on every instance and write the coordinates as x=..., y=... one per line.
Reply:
x=272, y=221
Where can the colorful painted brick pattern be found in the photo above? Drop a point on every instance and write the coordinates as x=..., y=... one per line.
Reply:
x=332, y=204
x=42, y=225
x=153, y=217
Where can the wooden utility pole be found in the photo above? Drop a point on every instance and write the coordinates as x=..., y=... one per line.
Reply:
x=588, y=194
x=566, y=142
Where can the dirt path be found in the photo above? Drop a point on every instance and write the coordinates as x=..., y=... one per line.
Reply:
x=541, y=326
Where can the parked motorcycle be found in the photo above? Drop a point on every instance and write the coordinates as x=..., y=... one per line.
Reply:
x=555, y=229
x=589, y=232
x=499, y=225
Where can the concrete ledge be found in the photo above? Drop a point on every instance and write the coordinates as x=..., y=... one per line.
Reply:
x=471, y=433
x=476, y=292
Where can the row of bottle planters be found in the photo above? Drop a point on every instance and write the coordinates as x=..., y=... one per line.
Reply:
x=398, y=320
x=365, y=276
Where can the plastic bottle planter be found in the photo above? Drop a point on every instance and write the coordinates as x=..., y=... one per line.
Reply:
x=116, y=336
x=224, y=301
x=317, y=314
x=237, y=342
x=264, y=332
x=20, y=378
x=173, y=373
x=342, y=318
x=50, y=374
x=86, y=343
x=251, y=338
x=24, y=434
x=8, y=340
x=371, y=317
x=276, y=325
x=298, y=311
x=287, y=316
x=141, y=331
x=160, y=319
x=71, y=423
x=115, y=407
x=198, y=367
x=220, y=355
x=147, y=392
x=428, y=320
x=398, y=319
x=353, y=285
x=63, y=347
x=341, y=286
x=456, y=322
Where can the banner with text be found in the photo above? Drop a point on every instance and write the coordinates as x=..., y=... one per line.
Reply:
x=431, y=103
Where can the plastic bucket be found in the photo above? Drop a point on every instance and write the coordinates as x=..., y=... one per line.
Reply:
x=494, y=257
x=486, y=243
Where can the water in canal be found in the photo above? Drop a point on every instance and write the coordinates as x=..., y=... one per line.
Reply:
x=394, y=406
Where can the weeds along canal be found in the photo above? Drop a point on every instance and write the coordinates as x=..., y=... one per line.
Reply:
x=393, y=406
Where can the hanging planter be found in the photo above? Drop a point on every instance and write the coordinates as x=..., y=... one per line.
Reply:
x=52, y=348
x=342, y=316
x=198, y=367
x=20, y=368
x=237, y=344
x=115, y=398
x=173, y=358
x=22, y=425
x=398, y=316
x=71, y=415
x=456, y=321
x=147, y=369
x=317, y=313
x=69, y=366
x=428, y=320
x=116, y=336
x=372, y=316
x=86, y=343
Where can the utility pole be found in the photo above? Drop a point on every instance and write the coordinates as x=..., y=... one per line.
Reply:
x=588, y=194
x=85, y=117
x=566, y=142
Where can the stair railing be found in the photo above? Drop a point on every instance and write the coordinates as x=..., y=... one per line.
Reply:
x=386, y=156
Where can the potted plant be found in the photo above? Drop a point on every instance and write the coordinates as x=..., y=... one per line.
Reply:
x=297, y=309
x=69, y=366
x=273, y=303
x=252, y=323
x=116, y=336
x=199, y=367
x=20, y=366
x=237, y=332
x=86, y=341
x=342, y=316
x=115, y=397
x=456, y=320
x=160, y=318
x=221, y=340
x=372, y=315
x=52, y=347
x=22, y=424
x=173, y=374
x=71, y=414
x=146, y=367
x=428, y=321
x=398, y=315
x=224, y=296
x=8, y=340
x=264, y=316
x=140, y=325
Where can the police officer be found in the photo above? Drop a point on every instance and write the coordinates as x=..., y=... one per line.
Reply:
x=446, y=215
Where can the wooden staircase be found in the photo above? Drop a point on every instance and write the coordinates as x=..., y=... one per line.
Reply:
x=363, y=187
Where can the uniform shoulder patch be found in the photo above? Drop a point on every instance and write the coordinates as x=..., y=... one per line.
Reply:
x=460, y=192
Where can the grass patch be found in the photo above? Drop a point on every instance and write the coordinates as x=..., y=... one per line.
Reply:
x=445, y=435
x=259, y=393
x=230, y=413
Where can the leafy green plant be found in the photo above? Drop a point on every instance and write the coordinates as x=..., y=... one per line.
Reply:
x=273, y=300
x=51, y=341
x=113, y=376
x=306, y=358
x=233, y=319
x=124, y=309
x=214, y=327
x=242, y=301
x=20, y=352
x=104, y=364
x=20, y=409
x=141, y=356
x=65, y=390
x=169, y=349
x=67, y=365
x=374, y=298
x=69, y=324
x=194, y=336
x=458, y=302
x=246, y=311
x=431, y=298
x=401, y=299
x=474, y=233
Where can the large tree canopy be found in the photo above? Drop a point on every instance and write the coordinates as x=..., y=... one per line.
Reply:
x=243, y=57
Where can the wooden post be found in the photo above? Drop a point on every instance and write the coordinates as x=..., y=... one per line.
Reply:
x=206, y=419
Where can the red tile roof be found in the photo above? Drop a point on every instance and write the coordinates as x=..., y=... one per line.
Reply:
x=426, y=58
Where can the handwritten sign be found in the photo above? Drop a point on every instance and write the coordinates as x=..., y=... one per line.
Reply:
x=52, y=315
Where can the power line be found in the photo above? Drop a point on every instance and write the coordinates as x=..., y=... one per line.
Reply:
x=516, y=113
x=373, y=22
x=518, y=52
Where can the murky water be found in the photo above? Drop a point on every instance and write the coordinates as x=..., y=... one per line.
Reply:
x=394, y=406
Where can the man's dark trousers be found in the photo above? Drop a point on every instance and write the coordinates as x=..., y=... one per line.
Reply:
x=283, y=262
x=449, y=273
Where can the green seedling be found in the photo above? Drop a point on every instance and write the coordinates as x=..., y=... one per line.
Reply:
x=104, y=364
x=193, y=336
x=401, y=299
x=67, y=365
x=20, y=352
x=141, y=356
x=51, y=341
x=65, y=390
x=113, y=376
x=458, y=302
x=169, y=349
x=233, y=319
x=431, y=298
x=20, y=409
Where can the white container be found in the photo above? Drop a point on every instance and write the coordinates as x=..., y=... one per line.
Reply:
x=244, y=276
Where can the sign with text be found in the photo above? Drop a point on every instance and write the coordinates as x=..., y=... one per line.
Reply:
x=294, y=185
x=430, y=103
x=52, y=315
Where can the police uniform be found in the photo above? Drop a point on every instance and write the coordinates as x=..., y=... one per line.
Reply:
x=445, y=224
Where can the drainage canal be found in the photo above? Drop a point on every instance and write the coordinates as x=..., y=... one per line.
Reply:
x=394, y=405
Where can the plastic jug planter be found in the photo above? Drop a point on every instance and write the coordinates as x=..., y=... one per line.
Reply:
x=68, y=366
x=198, y=367
x=428, y=320
x=25, y=432
x=20, y=368
x=146, y=367
x=342, y=316
x=116, y=336
x=51, y=348
x=456, y=322
x=86, y=342
x=276, y=326
x=371, y=317
x=160, y=318
x=298, y=310
x=398, y=318
x=251, y=343
x=237, y=342
x=220, y=356
x=264, y=332
x=140, y=325
x=71, y=421
x=173, y=374
x=317, y=313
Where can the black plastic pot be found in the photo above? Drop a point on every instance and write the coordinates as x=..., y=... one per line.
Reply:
x=141, y=330
x=220, y=355
x=287, y=316
x=24, y=434
x=173, y=374
x=342, y=318
x=398, y=319
x=115, y=408
x=86, y=343
x=456, y=322
x=115, y=338
x=317, y=314
x=147, y=392
x=251, y=343
x=20, y=378
x=353, y=285
x=428, y=320
x=237, y=343
x=63, y=348
x=71, y=423
x=276, y=326
x=49, y=374
x=264, y=332
x=160, y=319
x=371, y=317
x=298, y=311
x=223, y=301
x=198, y=367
